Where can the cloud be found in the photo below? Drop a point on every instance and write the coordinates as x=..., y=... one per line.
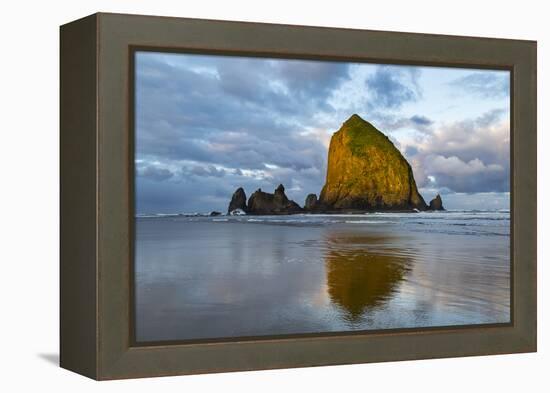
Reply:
x=192, y=190
x=421, y=121
x=248, y=111
x=206, y=171
x=471, y=176
x=454, y=166
x=472, y=155
x=392, y=86
x=311, y=79
x=241, y=119
x=411, y=151
x=155, y=173
x=392, y=122
x=486, y=84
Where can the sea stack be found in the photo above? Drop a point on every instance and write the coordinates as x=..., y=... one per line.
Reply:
x=366, y=172
x=436, y=203
x=277, y=203
x=238, y=201
x=311, y=202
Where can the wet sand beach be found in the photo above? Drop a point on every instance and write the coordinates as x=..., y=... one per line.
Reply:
x=215, y=277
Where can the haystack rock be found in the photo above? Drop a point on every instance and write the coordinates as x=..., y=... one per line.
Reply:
x=311, y=202
x=238, y=201
x=436, y=203
x=277, y=203
x=367, y=172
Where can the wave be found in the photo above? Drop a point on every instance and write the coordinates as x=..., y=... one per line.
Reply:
x=158, y=215
x=368, y=222
x=439, y=214
x=496, y=224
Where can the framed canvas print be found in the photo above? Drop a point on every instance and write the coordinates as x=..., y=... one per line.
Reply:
x=240, y=196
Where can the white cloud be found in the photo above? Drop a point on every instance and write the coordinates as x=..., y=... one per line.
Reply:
x=454, y=166
x=472, y=155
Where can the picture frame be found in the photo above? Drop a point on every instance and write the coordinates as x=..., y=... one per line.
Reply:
x=97, y=195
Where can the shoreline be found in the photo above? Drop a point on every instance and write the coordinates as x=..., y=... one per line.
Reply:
x=305, y=213
x=328, y=213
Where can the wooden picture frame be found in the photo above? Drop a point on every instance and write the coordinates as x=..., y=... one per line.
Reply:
x=97, y=210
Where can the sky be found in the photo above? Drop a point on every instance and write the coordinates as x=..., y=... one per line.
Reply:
x=206, y=125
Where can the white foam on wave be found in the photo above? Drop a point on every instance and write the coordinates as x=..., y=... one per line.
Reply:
x=368, y=222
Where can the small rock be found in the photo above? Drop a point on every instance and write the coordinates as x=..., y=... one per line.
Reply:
x=277, y=203
x=311, y=202
x=238, y=201
x=436, y=203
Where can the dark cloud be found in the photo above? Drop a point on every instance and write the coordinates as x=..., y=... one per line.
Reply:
x=468, y=176
x=190, y=192
x=312, y=80
x=239, y=119
x=467, y=156
x=488, y=118
x=155, y=173
x=245, y=113
x=421, y=121
x=485, y=84
x=207, y=171
x=392, y=86
x=411, y=151
x=389, y=122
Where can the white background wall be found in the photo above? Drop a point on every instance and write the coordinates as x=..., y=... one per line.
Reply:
x=29, y=193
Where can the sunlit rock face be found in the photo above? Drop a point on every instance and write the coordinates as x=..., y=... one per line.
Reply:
x=367, y=172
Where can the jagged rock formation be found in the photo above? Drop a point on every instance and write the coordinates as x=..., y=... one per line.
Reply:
x=238, y=201
x=367, y=172
x=436, y=203
x=277, y=203
x=311, y=202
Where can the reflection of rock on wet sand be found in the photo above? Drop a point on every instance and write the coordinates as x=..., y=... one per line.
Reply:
x=362, y=273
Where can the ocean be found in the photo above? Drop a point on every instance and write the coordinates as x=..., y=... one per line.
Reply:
x=240, y=276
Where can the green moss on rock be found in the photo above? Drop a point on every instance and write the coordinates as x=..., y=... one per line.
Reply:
x=367, y=172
